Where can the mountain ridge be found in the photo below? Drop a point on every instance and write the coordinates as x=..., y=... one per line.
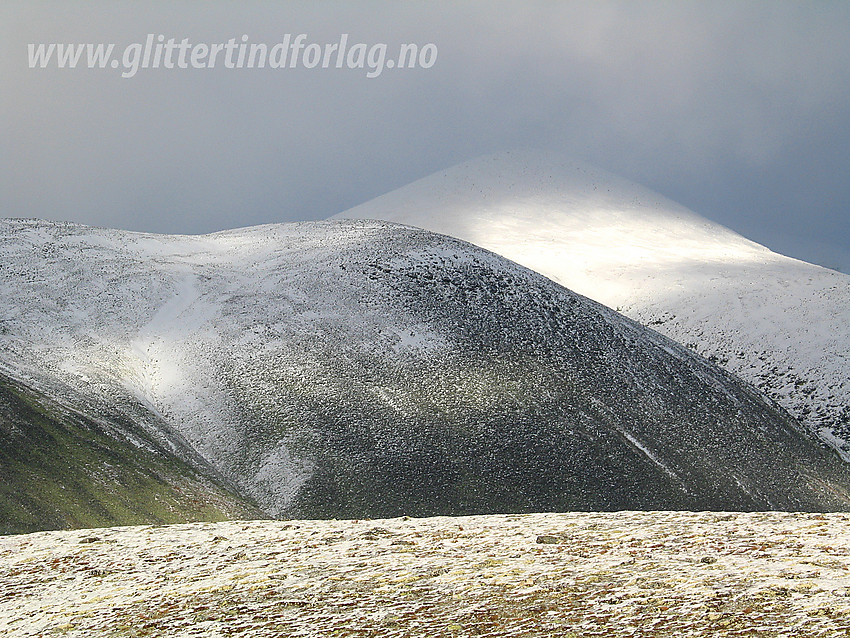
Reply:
x=361, y=369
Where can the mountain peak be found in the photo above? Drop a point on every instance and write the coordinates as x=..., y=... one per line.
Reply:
x=777, y=322
x=553, y=213
x=354, y=368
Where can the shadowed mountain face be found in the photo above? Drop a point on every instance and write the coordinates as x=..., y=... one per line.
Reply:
x=354, y=369
x=778, y=323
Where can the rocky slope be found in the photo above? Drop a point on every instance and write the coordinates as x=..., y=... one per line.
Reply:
x=350, y=369
x=651, y=574
x=779, y=323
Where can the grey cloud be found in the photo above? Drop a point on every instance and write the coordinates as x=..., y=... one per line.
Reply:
x=738, y=110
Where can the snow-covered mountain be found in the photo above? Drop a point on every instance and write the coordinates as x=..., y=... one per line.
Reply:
x=778, y=323
x=364, y=368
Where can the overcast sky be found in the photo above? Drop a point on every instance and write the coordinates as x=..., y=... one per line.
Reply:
x=740, y=111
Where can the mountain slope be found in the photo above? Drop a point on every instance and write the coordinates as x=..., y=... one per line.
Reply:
x=352, y=369
x=779, y=323
x=60, y=468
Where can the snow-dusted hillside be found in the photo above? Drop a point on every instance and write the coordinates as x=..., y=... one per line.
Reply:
x=779, y=323
x=363, y=369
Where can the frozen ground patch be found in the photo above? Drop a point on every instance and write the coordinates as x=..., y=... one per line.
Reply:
x=650, y=574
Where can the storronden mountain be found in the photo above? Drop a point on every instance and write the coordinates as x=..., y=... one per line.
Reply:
x=352, y=369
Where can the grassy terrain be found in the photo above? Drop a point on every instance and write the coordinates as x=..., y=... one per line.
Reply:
x=62, y=470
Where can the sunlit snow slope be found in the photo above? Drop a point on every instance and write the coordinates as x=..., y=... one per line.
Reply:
x=779, y=323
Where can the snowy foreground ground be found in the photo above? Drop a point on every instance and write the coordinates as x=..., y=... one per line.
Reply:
x=623, y=574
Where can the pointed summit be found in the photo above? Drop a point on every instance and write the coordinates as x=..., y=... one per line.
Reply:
x=564, y=218
x=779, y=323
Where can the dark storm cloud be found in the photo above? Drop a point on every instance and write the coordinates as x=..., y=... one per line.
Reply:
x=737, y=110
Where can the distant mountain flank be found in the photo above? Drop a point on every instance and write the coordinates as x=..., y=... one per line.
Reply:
x=363, y=369
x=779, y=323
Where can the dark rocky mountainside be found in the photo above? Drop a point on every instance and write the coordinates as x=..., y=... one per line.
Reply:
x=365, y=369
